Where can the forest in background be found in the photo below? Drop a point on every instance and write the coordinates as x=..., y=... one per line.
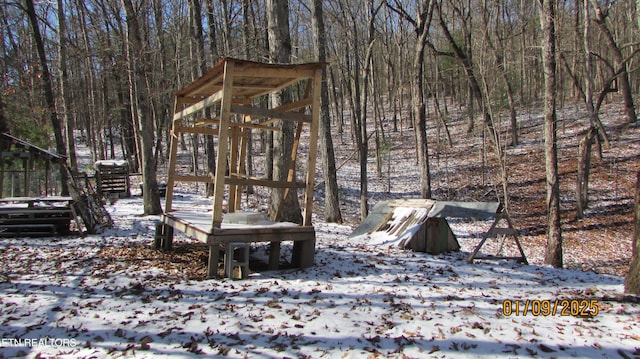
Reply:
x=112, y=68
x=371, y=48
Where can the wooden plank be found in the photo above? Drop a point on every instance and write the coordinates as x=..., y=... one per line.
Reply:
x=221, y=160
x=412, y=203
x=270, y=113
x=192, y=178
x=233, y=167
x=171, y=171
x=242, y=170
x=198, y=130
x=291, y=173
x=263, y=182
x=259, y=126
x=313, y=147
x=205, y=103
x=255, y=71
x=519, y=259
x=43, y=212
x=501, y=231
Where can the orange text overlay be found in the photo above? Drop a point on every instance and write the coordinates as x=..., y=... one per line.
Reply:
x=550, y=307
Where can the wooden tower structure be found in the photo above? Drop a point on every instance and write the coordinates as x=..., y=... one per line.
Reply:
x=230, y=92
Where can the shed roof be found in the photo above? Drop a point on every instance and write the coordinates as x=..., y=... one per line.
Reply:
x=40, y=152
x=250, y=79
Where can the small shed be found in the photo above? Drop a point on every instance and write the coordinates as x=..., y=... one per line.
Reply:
x=421, y=225
x=406, y=223
x=233, y=91
x=29, y=184
x=26, y=169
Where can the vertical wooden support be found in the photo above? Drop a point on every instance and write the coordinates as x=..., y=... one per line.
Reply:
x=173, y=152
x=26, y=163
x=47, y=168
x=221, y=164
x=233, y=166
x=242, y=169
x=515, y=236
x=291, y=174
x=313, y=148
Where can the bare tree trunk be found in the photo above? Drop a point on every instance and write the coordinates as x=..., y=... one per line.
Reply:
x=331, y=200
x=554, y=232
x=136, y=53
x=280, y=50
x=362, y=95
x=47, y=84
x=584, y=148
x=497, y=52
x=584, y=167
x=632, y=280
x=422, y=26
x=64, y=95
x=420, y=116
x=475, y=90
x=621, y=63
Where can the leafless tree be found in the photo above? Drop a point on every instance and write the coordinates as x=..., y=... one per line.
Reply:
x=331, y=202
x=140, y=97
x=554, y=232
x=47, y=84
x=632, y=280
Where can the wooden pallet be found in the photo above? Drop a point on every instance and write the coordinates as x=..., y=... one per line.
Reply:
x=113, y=178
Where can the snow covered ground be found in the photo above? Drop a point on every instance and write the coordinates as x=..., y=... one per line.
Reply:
x=111, y=295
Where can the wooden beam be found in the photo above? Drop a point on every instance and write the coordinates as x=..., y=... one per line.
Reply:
x=193, y=178
x=216, y=121
x=298, y=74
x=197, y=130
x=294, y=156
x=313, y=148
x=270, y=113
x=226, y=97
x=263, y=182
x=233, y=166
x=292, y=106
x=173, y=151
x=199, y=106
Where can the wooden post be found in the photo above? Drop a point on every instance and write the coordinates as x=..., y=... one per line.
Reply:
x=173, y=152
x=244, y=148
x=233, y=166
x=221, y=161
x=313, y=148
x=25, y=163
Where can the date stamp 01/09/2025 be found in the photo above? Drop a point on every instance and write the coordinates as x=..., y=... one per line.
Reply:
x=550, y=307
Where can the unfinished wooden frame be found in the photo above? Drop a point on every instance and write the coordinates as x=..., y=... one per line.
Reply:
x=231, y=87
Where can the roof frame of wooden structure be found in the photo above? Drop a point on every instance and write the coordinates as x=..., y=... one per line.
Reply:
x=232, y=85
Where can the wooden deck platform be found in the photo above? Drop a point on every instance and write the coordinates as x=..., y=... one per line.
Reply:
x=198, y=225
